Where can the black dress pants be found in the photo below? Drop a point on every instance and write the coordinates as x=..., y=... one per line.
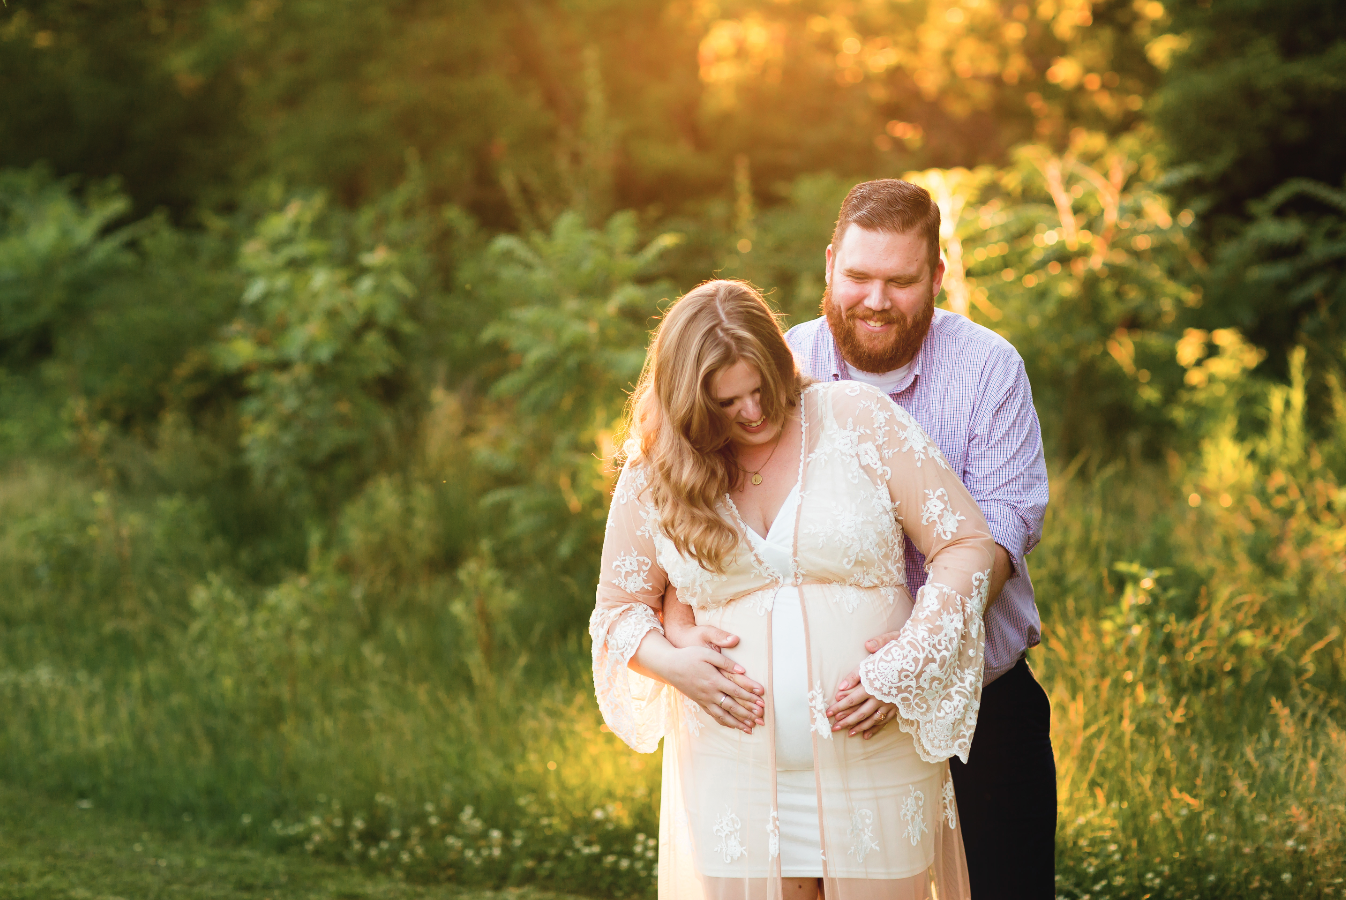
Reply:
x=1007, y=792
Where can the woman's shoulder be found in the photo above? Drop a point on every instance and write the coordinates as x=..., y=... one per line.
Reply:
x=633, y=481
x=855, y=399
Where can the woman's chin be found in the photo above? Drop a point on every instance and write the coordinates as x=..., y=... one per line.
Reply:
x=764, y=434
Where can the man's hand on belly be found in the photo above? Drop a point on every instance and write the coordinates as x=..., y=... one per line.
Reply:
x=1001, y=569
x=682, y=631
x=857, y=711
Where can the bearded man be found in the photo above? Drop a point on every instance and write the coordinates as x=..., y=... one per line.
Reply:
x=967, y=388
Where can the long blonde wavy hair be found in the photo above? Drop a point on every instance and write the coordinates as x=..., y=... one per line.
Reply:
x=683, y=434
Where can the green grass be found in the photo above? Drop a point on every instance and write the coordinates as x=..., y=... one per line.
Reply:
x=53, y=850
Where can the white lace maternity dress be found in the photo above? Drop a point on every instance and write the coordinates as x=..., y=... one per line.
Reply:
x=874, y=819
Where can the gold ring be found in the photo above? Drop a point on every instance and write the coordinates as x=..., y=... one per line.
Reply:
x=723, y=698
x=881, y=715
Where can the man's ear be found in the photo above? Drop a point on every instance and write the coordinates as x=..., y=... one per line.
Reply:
x=827, y=272
x=938, y=280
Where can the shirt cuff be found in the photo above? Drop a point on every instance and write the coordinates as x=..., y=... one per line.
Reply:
x=1009, y=532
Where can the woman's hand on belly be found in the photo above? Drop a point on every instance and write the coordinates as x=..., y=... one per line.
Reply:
x=682, y=631
x=880, y=714
x=712, y=680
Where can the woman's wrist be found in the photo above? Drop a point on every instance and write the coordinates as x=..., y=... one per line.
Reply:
x=654, y=657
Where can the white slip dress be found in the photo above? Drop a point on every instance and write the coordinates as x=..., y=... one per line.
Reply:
x=800, y=848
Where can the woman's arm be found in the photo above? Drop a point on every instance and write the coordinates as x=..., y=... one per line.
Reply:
x=632, y=660
x=932, y=671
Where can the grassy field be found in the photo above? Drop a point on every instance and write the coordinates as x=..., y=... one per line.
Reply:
x=1195, y=723
x=53, y=850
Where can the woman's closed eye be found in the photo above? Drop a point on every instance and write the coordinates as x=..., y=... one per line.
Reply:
x=725, y=404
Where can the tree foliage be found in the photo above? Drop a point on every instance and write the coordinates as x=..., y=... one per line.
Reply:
x=1250, y=116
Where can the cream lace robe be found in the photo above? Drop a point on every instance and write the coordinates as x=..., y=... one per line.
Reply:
x=878, y=817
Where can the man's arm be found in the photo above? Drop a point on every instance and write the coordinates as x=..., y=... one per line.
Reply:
x=1001, y=571
x=1006, y=471
x=679, y=619
x=682, y=631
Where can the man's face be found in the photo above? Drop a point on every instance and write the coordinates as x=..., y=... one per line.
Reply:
x=880, y=296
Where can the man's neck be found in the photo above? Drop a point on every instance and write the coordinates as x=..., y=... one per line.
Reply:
x=900, y=369
x=889, y=382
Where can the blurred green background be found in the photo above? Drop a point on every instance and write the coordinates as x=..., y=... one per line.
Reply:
x=316, y=319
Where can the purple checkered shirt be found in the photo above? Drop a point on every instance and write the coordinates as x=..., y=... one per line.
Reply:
x=968, y=389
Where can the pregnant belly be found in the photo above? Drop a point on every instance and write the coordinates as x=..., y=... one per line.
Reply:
x=789, y=684
x=807, y=660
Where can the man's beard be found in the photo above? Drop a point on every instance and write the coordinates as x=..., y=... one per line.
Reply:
x=877, y=353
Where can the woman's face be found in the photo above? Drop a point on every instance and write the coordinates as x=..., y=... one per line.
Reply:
x=738, y=391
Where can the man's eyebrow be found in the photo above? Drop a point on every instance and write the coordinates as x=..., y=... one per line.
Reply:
x=851, y=272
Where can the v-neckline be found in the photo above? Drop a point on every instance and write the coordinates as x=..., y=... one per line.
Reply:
x=799, y=478
x=784, y=508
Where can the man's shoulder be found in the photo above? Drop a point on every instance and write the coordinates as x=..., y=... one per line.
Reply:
x=805, y=334
x=955, y=336
x=811, y=344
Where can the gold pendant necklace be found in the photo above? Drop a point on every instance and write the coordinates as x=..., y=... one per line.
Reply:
x=757, y=476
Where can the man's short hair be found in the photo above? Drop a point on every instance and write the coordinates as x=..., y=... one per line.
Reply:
x=892, y=205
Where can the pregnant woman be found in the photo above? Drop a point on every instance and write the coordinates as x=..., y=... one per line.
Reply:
x=778, y=511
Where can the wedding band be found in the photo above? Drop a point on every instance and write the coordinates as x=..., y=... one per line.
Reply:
x=723, y=699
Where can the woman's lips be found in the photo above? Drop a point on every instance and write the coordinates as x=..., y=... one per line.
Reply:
x=753, y=427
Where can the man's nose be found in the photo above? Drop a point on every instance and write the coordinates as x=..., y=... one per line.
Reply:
x=875, y=298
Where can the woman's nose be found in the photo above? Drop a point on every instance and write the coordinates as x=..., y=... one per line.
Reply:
x=752, y=410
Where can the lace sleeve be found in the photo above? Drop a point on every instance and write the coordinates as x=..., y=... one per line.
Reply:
x=933, y=671
x=630, y=591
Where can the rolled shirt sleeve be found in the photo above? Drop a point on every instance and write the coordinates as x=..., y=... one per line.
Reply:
x=1006, y=471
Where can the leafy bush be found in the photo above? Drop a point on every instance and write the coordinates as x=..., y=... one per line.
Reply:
x=1079, y=262
x=317, y=349
x=55, y=249
x=110, y=308
x=574, y=311
x=1283, y=277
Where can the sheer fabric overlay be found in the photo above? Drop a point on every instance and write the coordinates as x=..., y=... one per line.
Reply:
x=882, y=811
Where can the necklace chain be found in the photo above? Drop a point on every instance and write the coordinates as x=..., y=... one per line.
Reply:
x=757, y=476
